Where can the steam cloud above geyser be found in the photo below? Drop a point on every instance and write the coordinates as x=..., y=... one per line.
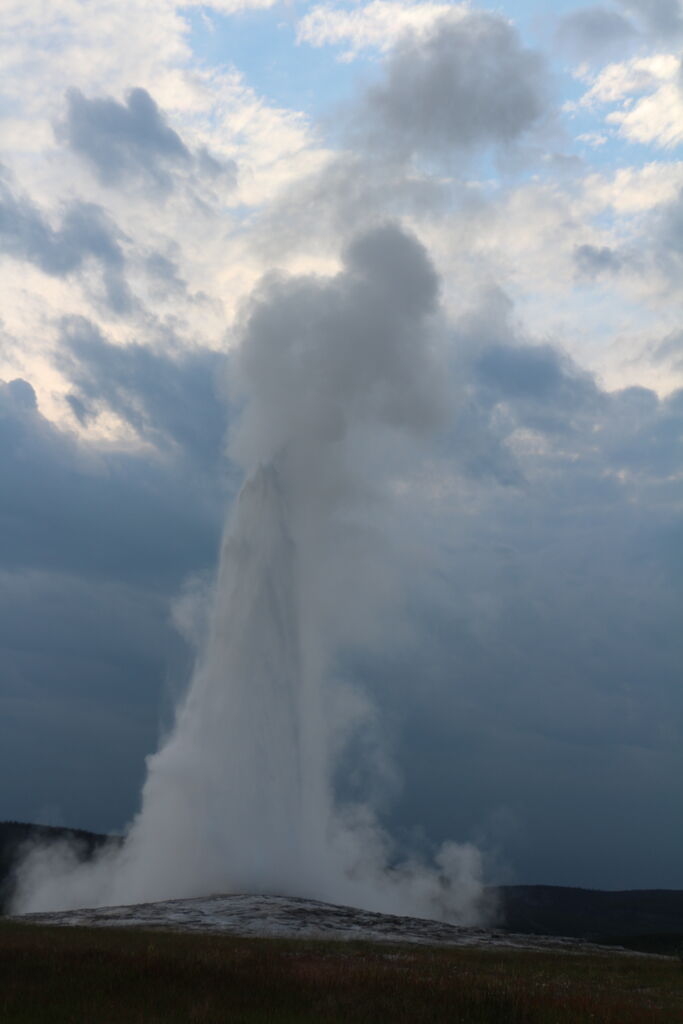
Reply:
x=335, y=377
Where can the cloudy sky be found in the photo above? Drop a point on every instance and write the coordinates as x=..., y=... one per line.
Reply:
x=158, y=159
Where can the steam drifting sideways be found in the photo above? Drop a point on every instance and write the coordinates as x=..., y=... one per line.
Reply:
x=335, y=377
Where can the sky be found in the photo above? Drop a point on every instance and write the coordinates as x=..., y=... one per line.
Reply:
x=163, y=168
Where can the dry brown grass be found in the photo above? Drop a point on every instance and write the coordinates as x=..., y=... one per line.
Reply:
x=111, y=976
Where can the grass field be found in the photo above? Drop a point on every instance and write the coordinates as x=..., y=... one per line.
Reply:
x=52, y=975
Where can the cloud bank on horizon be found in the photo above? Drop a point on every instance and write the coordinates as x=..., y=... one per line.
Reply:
x=165, y=166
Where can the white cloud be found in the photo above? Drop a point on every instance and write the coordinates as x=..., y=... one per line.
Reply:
x=632, y=190
x=376, y=25
x=648, y=91
x=594, y=139
x=105, y=50
x=657, y=118
x=627, y=78
x=230, y=6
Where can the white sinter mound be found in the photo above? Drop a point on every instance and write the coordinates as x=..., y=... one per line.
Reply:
x=287, y=917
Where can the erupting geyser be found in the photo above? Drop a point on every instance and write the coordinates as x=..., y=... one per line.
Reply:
x=239, y=797
x=244, y=771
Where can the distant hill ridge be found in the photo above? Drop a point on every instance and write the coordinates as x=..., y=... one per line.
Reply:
x=649, y=919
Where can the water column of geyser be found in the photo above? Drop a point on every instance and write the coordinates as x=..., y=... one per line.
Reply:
x=239, y=788
x=239, y=797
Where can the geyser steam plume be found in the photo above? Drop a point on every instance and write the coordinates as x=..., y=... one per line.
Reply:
x=333, y=375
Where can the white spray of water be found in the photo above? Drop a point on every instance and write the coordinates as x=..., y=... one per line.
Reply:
x=239, y=798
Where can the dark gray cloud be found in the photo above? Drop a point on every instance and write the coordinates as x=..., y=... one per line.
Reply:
x=535, y=387
x=657, y=257
x=592, y=260
x=120, y=139
x=70, y=508
x=667, y=239
x=214, y=169
x=166, y=398
x=533, y=373
x=532, y=677
x=509, y=383
x=645, y=435
x=165, y=270
x=85, y=664
x=594, y=33
x=670, y=350
x=465, y=85
x=663, y=18
x=95, y=543
x=132, y=140
x=602, y=32
x=536, y=678
x=468, y=82
x=519, y=385
x=85, y=233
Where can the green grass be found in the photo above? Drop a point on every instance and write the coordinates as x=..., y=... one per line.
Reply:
x=51, y=975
